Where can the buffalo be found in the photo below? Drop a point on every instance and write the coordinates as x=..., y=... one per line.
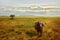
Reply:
x=39, y=28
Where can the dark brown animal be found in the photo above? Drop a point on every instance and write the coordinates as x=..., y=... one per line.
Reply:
x=39, y=28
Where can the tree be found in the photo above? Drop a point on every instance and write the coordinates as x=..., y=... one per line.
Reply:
x=12, y=16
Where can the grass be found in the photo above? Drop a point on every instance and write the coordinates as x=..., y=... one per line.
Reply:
x=22, y=28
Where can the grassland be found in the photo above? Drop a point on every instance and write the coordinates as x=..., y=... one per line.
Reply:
x=22, y=28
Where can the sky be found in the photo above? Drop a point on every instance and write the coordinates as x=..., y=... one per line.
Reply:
x=23, y=2
x=41, y=2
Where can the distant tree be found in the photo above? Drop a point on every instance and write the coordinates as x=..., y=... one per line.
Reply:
x=12, y=16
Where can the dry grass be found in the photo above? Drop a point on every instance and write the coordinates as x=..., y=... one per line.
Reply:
x=22, y=28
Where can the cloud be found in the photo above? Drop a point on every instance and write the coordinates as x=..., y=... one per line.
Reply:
x=41, y=2
x=51, y=11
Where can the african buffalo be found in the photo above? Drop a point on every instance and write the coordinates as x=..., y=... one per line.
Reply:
x=39, y=28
